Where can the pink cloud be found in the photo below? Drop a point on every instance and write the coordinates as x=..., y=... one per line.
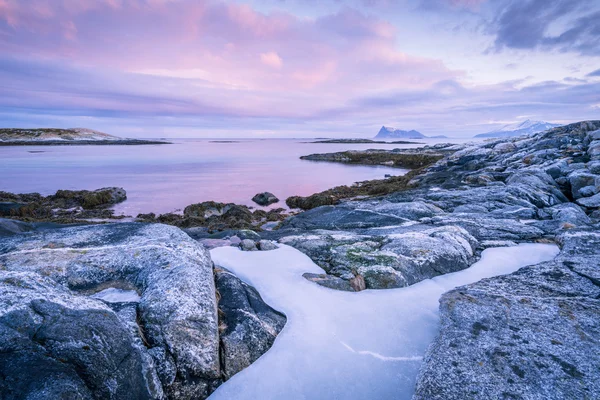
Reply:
x=221, y=52
x=271, y=59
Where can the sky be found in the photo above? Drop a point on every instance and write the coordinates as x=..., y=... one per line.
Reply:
x=297, y=68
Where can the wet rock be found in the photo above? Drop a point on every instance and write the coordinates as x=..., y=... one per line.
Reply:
x=248, y=326
x=265, y=199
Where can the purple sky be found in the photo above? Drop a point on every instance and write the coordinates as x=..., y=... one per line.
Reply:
x=297, y=68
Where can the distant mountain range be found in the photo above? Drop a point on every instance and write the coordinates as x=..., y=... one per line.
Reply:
x=527, y=127
x=387, y=132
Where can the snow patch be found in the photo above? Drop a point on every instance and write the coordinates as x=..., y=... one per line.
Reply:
x=113, y=295
x=314, y=356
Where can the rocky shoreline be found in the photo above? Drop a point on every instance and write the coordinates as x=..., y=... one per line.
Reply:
x=530, y=334
x=125, y=142
x=65, y=137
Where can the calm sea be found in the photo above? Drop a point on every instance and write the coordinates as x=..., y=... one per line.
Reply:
x=165, y=178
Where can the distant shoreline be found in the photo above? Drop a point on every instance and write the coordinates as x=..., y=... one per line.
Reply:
x=127, y=142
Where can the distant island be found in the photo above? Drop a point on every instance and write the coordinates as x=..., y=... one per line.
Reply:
x=72, y=136
x=387, y=132
x=363, y=141
x=527, y=127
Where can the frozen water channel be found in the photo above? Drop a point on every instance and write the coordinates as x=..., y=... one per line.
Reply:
x=340, y=345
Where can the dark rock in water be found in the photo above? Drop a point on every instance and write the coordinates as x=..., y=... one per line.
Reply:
x=531, y=335
x=247, y=325
x=88, y=199
x=310, y=202
x=217, y=217
x=56, y=340
x=265, y=199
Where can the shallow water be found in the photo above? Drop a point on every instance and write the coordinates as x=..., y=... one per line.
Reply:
x=164, y=178
x=351, y=346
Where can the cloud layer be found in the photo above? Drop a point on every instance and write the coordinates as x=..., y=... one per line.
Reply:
x=155, y=67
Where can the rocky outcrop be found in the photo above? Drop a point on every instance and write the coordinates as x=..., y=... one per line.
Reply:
x=218, y=217
x=392, y=158
x=60, y=137
x=503, y=191
x=165, y=344
x=533, y=334
x=390, y=261
x=66, y=206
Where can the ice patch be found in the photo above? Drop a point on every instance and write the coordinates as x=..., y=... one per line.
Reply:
x=341, y=345
x=112, y=295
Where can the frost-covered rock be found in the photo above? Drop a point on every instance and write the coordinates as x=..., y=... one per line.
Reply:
x=56, y=344
x=116, y=311
x=532, y=334
x=394, y=260
x=248, y=245
x=266, y=245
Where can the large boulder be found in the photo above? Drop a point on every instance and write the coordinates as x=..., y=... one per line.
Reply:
x=390, y=261
x=177, y=311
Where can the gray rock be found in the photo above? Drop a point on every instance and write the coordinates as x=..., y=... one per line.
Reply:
x=569, y=213
x=483, y=227
x=55, y=344
x=594, y=167
x=355, y=284
x=248, y=245
x=267, y=245
x=265, y=198
x=248, y=326
x=582, y=180
x=396, y=260
x=531, y=334
x=590, y=202
x=172, y=272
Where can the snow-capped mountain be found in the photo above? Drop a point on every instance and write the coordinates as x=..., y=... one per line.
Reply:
x=387, y=132
x=526, y=127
